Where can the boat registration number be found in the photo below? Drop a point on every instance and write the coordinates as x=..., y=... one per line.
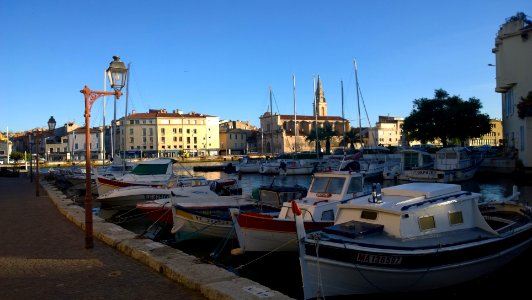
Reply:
x=424, y=172
x=155, y=196
x=379, y=259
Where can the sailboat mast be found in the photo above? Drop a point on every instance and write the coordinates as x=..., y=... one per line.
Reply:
x=271, y=122
x=103, y=126
x=358, y=103
x=295, y=116
x=125, y=115
x=316, y=116
x=343, y=117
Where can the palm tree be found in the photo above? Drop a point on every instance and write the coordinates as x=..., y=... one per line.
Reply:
x=326, y=133
x=351, y=137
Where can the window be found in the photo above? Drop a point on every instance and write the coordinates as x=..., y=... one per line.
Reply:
x=426, y=223
x=509, y=102
x=368, y=215
x=455, y=217
x=144, y=131
x=162, y=130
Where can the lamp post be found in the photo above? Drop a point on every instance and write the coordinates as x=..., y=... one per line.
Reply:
x=51, y=126
x=116, y=73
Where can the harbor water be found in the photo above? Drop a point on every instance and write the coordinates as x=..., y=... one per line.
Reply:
x=281, y=272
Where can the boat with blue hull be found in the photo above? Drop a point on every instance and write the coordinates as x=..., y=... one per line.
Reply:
x=412, y=237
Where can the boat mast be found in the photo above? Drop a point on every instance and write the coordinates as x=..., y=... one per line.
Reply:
x=103, y=126
x=295, y=116
x=316, y=117
x=343, y=117
x=125, y=116
x=271, y=122
x=358, y=104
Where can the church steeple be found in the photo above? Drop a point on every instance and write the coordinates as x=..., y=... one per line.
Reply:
x=321, y=103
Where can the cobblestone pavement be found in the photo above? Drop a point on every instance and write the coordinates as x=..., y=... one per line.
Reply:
x=43, y=256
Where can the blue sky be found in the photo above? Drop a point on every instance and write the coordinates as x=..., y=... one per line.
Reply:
x=220, y=57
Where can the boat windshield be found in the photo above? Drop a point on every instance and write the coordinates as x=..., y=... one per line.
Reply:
x=150, y=169
x=331, y=185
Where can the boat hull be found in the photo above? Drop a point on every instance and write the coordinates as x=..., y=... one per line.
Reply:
x=361, y=270
x=263, y=233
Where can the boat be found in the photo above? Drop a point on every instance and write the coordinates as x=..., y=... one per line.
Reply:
x=411, y=159
x=210, y=218
x=249, y=164
x=276, y=195
x=452, y=164
x=258, y=232
x=154, y=173
x=128, y=197
x=287, y=167
x=409, y=238
x=160, y=209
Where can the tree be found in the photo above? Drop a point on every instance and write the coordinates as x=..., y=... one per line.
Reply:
x=446, y=118
x=16, y=156
x=326, y=133
x=311, y=138
x=351, y=137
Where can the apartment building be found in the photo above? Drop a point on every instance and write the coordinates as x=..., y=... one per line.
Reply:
x=513, y=48
x=159, y=133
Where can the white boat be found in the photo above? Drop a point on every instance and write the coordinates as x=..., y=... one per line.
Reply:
x=128, y=197
x=452, y=164
x=411, y=159
x=154, y=173
x=248, y=165
x=288, y=167
x=411, y=237
x=267, y=232
x=209, y=217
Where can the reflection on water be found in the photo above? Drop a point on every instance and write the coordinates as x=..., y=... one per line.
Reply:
x=491, y=187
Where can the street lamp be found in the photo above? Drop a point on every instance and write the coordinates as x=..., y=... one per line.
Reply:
x=116, y=73
x=51, y=126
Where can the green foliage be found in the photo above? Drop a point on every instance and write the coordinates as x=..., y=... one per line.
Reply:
x=446, y=118
x=325, y=133
x=351, y=137
x=524, y=107
x=16, y=156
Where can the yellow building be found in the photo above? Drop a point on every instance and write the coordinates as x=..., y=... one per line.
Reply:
x=159, y=133
x=493, y=138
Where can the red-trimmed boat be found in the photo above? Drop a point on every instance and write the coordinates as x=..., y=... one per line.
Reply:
x=266, y=232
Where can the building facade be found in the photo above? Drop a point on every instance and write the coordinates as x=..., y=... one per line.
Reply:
x=494, y=138
x=513, y=48
x=390, y=131
x=159, y=133
x=237, y=137
x=288, y=133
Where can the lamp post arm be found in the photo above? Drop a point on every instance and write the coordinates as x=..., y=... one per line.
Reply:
x=91, y=97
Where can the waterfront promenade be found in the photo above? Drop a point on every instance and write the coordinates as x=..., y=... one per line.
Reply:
x=43, y=256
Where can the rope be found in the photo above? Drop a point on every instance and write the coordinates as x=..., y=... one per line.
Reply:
x=266, y=254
